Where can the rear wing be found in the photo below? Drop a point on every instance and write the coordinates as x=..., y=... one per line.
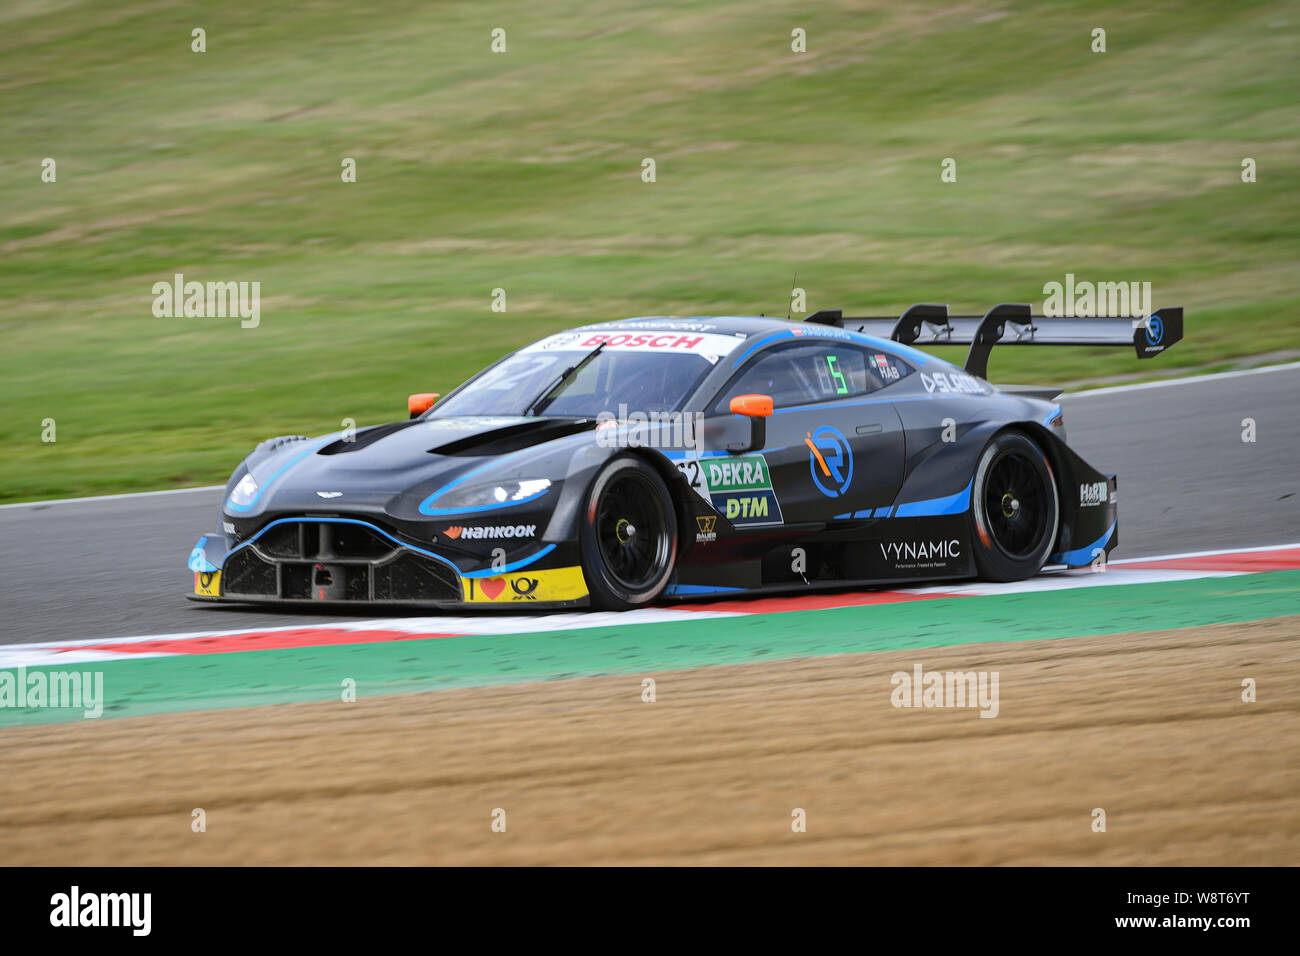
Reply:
x=1011, y=324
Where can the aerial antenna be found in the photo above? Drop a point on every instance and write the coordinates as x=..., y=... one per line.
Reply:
x=794, y=284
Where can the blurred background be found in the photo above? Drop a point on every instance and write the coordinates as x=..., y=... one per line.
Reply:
x=522, y=170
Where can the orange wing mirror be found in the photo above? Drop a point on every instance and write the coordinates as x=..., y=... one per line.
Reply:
x=755, y=406
x=421, y=402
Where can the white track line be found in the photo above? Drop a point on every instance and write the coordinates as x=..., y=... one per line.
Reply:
x=1189, y=380
x=1207, y=554
x=487, y=623
x=45, y=502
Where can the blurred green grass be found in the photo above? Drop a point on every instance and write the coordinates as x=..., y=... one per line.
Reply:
x=522, y=171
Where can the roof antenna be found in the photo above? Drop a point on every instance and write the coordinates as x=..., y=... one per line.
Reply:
x=794, y=284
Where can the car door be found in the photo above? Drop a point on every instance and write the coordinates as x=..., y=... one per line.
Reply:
x=833, y=449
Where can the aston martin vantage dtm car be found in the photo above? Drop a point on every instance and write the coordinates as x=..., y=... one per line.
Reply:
x=621, y=463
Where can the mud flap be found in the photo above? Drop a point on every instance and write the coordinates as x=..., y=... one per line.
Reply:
x=1089, y=523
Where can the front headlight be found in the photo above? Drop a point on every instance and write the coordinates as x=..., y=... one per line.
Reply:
x=496, y=494
x=245, y=492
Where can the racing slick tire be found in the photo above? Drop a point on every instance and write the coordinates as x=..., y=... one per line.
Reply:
x=628, y=535
x=1015, y=509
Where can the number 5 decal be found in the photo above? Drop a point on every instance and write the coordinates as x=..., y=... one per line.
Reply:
x=842, y=387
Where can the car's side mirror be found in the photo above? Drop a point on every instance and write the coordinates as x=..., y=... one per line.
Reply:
x=757, y=408
x=421, y=402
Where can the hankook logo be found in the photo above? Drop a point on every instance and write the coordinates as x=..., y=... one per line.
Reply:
x=492, y=531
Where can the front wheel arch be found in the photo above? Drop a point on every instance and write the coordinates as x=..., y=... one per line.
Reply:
x=627, y=534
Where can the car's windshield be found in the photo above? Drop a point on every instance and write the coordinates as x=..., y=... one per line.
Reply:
x=642, y=371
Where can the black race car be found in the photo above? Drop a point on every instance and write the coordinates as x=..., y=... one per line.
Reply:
x=620, y=463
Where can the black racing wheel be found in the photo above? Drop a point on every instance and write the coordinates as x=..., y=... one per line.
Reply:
x=1015, y=509
x=628, y=535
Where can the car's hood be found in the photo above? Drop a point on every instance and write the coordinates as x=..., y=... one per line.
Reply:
x=378, y=466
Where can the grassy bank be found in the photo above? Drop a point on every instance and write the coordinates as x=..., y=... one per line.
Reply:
x=522, y=171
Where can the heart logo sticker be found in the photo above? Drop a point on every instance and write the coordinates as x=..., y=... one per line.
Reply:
x=493, y=586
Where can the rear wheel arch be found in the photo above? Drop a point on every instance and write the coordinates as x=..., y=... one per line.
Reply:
x=997, y=559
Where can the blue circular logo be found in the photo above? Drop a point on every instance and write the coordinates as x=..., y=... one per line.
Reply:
x=830, y=459
x=1155, y=330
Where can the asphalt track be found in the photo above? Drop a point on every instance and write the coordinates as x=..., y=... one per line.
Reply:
x=116, y=566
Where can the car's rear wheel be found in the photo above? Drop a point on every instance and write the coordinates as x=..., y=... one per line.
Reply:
x=1015, y=509
x=629, y=535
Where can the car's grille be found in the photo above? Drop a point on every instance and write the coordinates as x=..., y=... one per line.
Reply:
x=413, y=577
x=336, y=561
x=247, y=573
x=324, y=541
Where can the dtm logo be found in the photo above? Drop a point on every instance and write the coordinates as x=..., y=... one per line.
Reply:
x=1155, y=330
x=830, y=459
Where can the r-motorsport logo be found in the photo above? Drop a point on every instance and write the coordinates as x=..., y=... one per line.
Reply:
x=830, y=459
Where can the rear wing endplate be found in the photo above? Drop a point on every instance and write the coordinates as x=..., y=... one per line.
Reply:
x=1012, y=324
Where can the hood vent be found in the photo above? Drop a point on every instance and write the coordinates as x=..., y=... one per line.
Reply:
x=365, y=438
x=502, y=441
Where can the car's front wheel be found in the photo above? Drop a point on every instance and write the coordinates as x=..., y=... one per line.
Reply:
x=629, y=535
x=1015, y=509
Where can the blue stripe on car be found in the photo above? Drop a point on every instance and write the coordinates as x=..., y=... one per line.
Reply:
x=363, y=524
x=949, y=505
x=426, y=506
x=278, y=472
x=513, y=566
x=1085, y=554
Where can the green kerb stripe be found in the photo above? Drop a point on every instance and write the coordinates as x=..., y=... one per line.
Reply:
x=168, y=684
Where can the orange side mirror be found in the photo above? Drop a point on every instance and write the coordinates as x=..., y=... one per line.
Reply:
x=755, y=406
x=421, y=402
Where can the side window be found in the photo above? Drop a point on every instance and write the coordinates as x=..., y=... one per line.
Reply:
x=802, y=375
x=885, y=369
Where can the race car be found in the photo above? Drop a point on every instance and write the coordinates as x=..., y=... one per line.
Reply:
x=623, y=463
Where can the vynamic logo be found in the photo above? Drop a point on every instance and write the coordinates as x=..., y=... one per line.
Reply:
x=830, y=459
x=103, y=909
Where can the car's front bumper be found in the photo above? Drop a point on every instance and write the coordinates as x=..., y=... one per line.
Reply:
x=346, y=561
